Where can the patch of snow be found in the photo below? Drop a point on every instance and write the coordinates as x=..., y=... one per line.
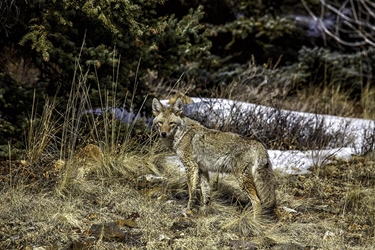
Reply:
x=293, y=161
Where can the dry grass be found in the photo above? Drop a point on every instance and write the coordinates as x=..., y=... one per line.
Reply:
x=323, y=98
x=368, y=102
x=331, y=208
x=93, y=193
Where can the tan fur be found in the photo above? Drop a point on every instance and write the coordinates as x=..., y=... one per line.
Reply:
x=204, y=150
x=185, y=99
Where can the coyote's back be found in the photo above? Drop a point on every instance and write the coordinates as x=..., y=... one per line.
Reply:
x=204, y=150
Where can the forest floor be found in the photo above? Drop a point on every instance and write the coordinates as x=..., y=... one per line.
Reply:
x=124, y=199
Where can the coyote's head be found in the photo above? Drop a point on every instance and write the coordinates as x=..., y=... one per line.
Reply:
x=167, y=119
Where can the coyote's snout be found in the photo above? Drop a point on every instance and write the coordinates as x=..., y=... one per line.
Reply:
x=204, y=150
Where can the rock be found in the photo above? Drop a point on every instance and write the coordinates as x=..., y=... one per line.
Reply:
x=108, y=230
x=289, y=210
x=288, y=246
x=127, y=222
x=83, y=244
x=182, y=224
x=243, y=244
x=154, y=178
x=149, y=180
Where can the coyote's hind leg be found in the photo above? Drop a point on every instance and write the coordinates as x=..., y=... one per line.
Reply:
x=247, y=183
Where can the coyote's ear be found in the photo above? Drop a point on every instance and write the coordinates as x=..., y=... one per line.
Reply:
x=177, y=107
x=157, y=107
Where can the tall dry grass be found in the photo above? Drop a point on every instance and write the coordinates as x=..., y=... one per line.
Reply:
x=83, y=170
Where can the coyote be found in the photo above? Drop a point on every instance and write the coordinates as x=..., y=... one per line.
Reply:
x=184, y=98
x=204, y=150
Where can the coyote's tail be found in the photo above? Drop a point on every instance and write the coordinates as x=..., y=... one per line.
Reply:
x=269, y=212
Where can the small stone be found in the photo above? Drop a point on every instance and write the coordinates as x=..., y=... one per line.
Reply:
x=128, y=223
x=243, y=244
x=108, y=230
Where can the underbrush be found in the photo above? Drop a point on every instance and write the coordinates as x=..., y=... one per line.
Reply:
x=92, y=182
x=276, y=128
x=331, y=208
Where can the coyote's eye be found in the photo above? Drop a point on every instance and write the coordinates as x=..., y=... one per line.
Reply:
x=160, y=123
x=172, y=124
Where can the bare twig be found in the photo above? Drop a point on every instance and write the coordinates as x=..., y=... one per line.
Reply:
x=353, y=23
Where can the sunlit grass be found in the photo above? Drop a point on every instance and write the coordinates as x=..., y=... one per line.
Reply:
x=82, y=170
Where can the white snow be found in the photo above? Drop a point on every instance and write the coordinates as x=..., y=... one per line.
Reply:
x=294, y=161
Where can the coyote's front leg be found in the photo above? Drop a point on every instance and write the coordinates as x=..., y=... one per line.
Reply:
x=192, y=172
x=205, y=186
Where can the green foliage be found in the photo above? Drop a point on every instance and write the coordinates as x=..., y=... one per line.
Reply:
x=253, y=28
x=39, y=40
x=268, y=33
x=100, y=34
x=15, y=102
x=108, y=40
x=317, y=66
x=133, y=30
x=348, y=70
x=118, y=47
x=265, y=29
